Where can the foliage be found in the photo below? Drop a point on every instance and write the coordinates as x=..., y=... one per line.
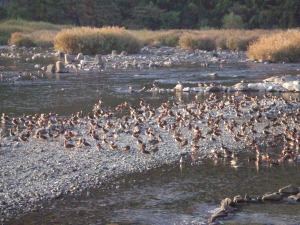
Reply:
x=20, y=39
x=160, y=14
x=232, y=21
x=283, y=46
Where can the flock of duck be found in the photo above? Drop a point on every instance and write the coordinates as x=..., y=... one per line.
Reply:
x=217, y=128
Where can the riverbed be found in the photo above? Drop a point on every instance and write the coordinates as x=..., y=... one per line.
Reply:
x=169, y=194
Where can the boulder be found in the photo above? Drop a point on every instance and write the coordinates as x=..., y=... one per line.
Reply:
x=68, y=59
x=290, y=189
x=60, y=67
x=79, y=56
x=50, y=68
x=272, y=197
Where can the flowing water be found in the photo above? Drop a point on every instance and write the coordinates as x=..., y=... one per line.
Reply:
x=168, y=195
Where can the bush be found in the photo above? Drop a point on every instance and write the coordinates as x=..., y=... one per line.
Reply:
x=20, y=39
x=283, y=46
x=92, y=41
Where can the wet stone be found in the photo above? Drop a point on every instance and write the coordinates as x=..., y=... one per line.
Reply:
x=290, y=189
x=272, y=197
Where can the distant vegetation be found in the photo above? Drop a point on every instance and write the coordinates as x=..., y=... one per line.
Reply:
x=283, y=46
x=28, y=33
x=97, y=40
x=159, y=14
x=271, y=45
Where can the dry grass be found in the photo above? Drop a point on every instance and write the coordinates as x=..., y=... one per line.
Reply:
x=158, y=38
x=89, y=40
x=233, y=39
x=221, y=39
x=8, y=27
x=43, y=38
x=282, y=46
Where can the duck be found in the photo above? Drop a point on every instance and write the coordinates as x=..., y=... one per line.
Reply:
x=68, y=146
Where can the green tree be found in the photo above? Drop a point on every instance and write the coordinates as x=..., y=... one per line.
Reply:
x=232, y=21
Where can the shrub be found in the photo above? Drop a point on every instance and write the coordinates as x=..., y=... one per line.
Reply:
x=20, y=39
x=283, y=46
x=92, y=41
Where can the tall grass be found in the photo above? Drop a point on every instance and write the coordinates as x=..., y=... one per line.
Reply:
x=283, y=46
x=8, y=27
x=89, y=40
x=158, y=38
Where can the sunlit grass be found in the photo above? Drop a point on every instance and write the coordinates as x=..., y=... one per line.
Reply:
x=8, y=27
x=89, y=40
x=283, y=46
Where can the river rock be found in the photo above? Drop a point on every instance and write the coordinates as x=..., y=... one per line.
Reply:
x=86, y=58
x=168, y=63
x=198, y=89
x=68, y=59
x=214, y=75
x=295, y=197
x=98, y=60
x=186, y=89
x=272, y=197
x=227, y=204
x=60, y=54
x=50, y=68
x=215, y=89
x=60, y=67
x=114, y=52
x=290, y=189
x=292, y=85
x=123, y=53
x=80, y=56
x=13, y=47
x=153, y=65
x=241, y=87
x=238, y=199
x=221, y=213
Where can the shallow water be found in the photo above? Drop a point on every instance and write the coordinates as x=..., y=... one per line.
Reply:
x=166, y=195
x=174, y=195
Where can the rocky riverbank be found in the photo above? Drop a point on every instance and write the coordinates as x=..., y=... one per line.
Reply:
x=44, y=157
x=288, y=194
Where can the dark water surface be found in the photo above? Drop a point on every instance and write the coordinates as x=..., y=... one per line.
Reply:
x=167, y=195
x=174, y=195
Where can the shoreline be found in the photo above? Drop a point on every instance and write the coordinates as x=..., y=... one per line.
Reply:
x=36, y=170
